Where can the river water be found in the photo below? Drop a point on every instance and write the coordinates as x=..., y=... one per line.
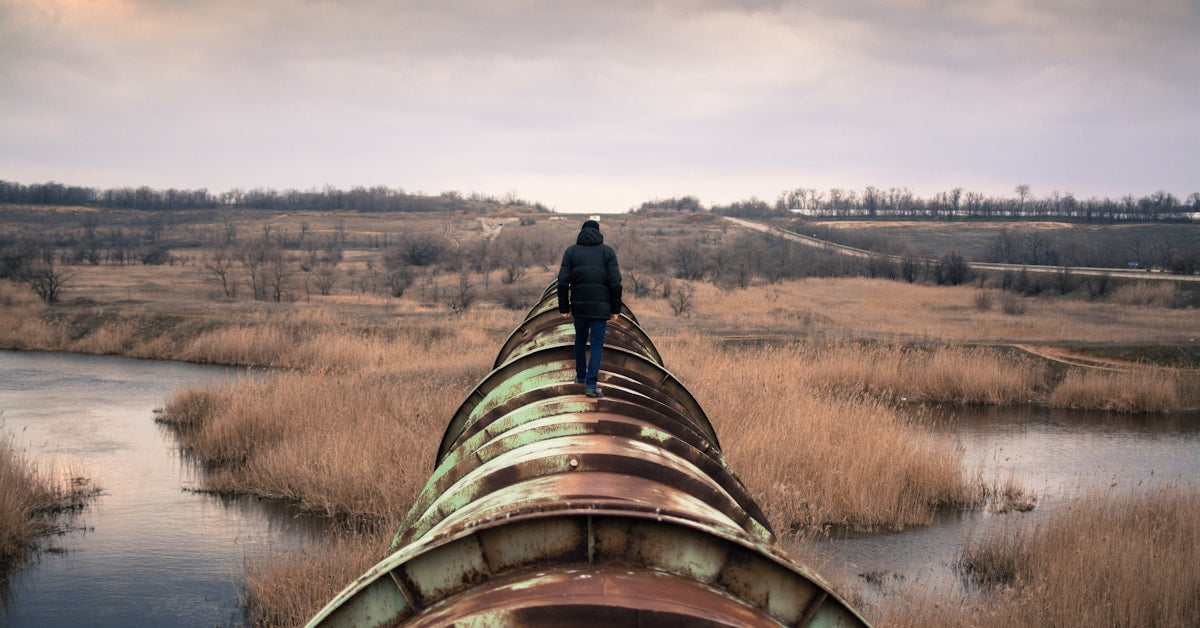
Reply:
x=1054, y=454
x=146, y=551
x=149, y=552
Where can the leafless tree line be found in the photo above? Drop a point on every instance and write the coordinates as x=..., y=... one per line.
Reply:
x=272, y=272
x=360, y=198
x=955, y=204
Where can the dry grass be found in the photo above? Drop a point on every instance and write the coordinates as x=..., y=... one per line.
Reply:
x=944, y=374
x=1116, y=559
x=903, y=313
x=815, y=457
x=356, y=447
x=30, y=498
x=1010, y=495
x=1147, y=293
x=21, y=326
x=1138, y=390
x=349, y=432
x=288, y=588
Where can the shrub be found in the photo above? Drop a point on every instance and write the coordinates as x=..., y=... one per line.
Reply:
x=1146, y=293
x=1012, y=304
x=952, y=269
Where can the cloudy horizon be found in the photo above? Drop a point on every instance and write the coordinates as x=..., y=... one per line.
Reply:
x=597, y=107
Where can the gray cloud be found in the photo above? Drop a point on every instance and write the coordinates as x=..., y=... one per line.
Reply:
x=631, y=99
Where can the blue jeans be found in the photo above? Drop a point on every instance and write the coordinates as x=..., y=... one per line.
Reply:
x=589, y=329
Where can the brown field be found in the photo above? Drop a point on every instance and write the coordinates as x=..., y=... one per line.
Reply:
x=809, y=383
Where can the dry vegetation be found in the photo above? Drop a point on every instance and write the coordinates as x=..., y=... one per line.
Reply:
x=1120, y=559
x=817, y=455
x=1136, y=390
x=288, y=588
x=809, y=383
x=354, y=445
x=32, y=497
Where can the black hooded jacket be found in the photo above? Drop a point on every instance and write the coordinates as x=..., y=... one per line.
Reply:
x=589, y=281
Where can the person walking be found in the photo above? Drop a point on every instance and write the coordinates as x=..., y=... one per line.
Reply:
x=589, y=291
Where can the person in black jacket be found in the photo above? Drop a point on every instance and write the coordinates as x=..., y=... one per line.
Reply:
x=589, y=290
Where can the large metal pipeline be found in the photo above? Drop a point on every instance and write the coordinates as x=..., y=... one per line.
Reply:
x=547, y=506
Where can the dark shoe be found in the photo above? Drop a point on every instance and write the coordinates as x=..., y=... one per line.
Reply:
x=578, y=379
x=593, y=391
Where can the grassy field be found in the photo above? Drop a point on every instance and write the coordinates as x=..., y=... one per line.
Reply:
x=816, y=376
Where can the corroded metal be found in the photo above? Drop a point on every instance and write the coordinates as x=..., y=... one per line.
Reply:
x=547, y=506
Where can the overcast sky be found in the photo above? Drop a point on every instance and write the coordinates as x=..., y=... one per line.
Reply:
x=599, y=106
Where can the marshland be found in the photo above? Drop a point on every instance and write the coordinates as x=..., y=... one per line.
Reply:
x=847, y=397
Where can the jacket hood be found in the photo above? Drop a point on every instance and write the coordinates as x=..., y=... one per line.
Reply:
x=589, y=236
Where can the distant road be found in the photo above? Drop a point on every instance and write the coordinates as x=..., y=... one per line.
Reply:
x=853, y=252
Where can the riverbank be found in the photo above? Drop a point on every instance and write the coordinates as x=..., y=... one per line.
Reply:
x=34, y=498
x=1116, y=557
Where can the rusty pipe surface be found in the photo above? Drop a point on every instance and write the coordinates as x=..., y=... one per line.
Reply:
x=547, y=506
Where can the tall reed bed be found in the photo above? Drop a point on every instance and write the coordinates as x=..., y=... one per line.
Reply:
x=1138, y=390
x=1106, y=559
x=30, y=497
x=317, y=341
x=21, y=327
x=815, y=456
x=349, y=432
x=1147, y=293
x=288, y=588
x=356, y=447
x=950, y=374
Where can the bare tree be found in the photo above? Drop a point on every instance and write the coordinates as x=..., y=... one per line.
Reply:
x=910, y=268
x=952, y=269
x=220, y=265
x=419, y=250
x=323, y=278
x=689, y=258
x=398, y=280
x=513, y=265
x=253, y=261
x=640, y=283
x=511, y=254
x=47, y=280
x=398, y=274
x=1064, y=281
x=680, y=299
x=279, y=274
x=1022, y=196
x=542, y=251
x=464, y=296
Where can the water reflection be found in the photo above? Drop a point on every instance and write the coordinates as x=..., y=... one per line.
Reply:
x=147, y=551
x=1066, y=452
x=1056, y=454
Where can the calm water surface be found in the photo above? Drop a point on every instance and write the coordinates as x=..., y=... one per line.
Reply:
x=146, y=551
x=1057, y=454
